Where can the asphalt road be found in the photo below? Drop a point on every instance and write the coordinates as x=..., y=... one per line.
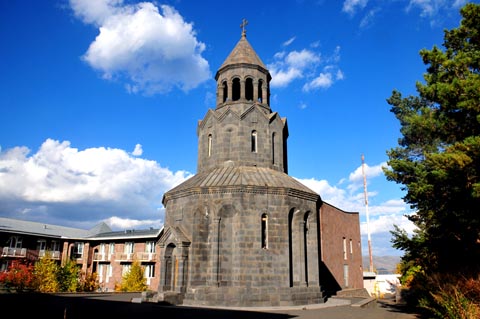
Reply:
x=120, y=305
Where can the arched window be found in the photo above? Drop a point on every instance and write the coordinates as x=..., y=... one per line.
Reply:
x=209, y=145
x=259, y=88
x=254, y=141
x=225, y=91
x=273, y=148
x=264, y=231
x=236, y=89
x=249, y=89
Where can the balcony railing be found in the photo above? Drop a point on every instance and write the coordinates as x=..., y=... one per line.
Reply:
x=32, y=254
x=140, y=256
x=14, y=252
x=102, y=257
x=51, y=254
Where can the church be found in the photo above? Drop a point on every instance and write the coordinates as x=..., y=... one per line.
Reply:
x=241, y=231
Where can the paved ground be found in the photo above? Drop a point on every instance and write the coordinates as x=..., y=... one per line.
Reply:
x=117, y=306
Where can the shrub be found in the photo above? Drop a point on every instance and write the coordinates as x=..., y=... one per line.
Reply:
x=133, y=280
x=46, y=275
x=451, y=297
x=19, y=276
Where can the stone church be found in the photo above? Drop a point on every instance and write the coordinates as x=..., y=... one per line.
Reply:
x=241, y=231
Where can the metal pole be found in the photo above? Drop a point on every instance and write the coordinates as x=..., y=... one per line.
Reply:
x=366, y=211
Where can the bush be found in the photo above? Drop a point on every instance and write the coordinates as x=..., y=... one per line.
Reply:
x=19, y=276
x=46, y=274
x=68, y=277
x=451, y=297
x=133, y=280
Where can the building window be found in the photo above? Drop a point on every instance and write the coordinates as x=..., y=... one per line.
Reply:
x=249, y=89
x=254, y=141
x=273, y=148
x=345, y=275
x=149, y=270
x=111, y=249
x=259, y=90
x=128, y=249
x=344, y=248
x=41, y=244
x=209, y=145
x=16, y=242
x=150, y=247
x=225, y=91
x=55, y=245
x=351, y=247
x=264, y=231
x=236, y=89
x=78, y=250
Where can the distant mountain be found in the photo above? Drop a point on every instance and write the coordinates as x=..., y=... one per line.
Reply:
x=382, y=264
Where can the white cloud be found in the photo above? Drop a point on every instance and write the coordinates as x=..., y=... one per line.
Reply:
x=138, y=151
x=151, y=51
x=288, y=67
x=60, y=184
x=323, y=80
x=434, y=9
x=289, y=41
x=351, y=6
x=94, y=12
x=281, y=78
x=367, y=20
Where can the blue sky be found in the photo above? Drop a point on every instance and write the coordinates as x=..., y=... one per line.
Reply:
x=100, y=100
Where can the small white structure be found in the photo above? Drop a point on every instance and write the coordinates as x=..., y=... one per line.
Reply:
x=381, y=285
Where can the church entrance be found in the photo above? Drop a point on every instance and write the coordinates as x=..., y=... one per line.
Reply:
x=170, y=271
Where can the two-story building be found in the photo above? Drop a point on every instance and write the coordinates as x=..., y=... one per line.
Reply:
x=99, y=250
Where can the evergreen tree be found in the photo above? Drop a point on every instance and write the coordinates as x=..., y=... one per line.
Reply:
x=438, y=158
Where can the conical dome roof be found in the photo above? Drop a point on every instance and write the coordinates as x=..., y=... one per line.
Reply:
x=243, y=53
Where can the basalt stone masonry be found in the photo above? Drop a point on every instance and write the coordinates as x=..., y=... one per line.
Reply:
x=241, y=231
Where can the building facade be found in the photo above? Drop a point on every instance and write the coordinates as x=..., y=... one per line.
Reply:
x=242, y=232
x=99, y=250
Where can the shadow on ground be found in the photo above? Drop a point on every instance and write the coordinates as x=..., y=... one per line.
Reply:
x=106, y=306
x=392, y=306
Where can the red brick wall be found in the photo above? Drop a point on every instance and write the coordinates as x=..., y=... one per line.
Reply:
x=335, y=225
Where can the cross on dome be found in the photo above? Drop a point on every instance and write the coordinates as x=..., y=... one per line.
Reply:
x=242, y=25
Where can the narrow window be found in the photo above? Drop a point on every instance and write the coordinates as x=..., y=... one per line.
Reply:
x=55, y=246
x=344, y=248
x=128, y=249
x=225, y=91
x=264, y=231
x=150, y=247
x=249, y=89
x=78, y=250
x=111, y=249
x=351, y=247
x=149, y=270
x=254, y=141
x=260, y=93
x=273, y=148
x=345, y=275
x=209, y=145
x=236, y=89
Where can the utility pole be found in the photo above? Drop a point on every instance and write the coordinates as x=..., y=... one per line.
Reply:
x=366, y=212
